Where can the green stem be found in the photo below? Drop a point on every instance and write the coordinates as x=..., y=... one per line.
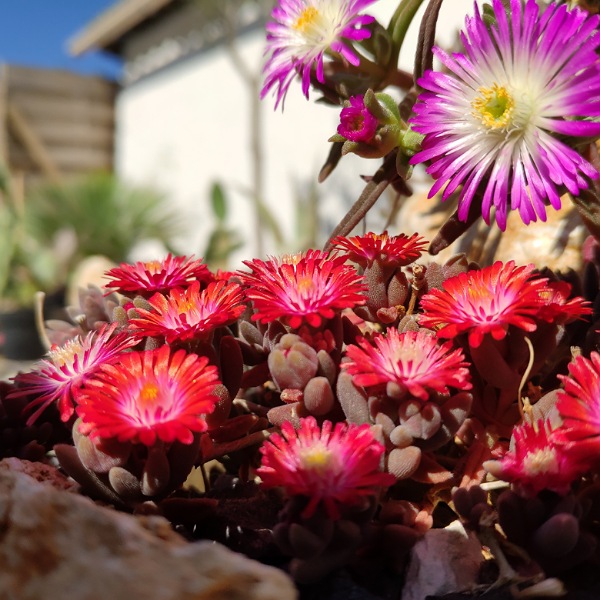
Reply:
x=399, y=24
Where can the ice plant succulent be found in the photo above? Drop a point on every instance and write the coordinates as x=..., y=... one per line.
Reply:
x=492, y=123
x=302, y=289
x=333, y=465
x=485, y=301
x=412, y=362
x=579, y=407
x=60, y=376
x=149, y=396
x=302, y=32
x=147, y=278
x=189, y=314
x=536, y=462
x=395, y=250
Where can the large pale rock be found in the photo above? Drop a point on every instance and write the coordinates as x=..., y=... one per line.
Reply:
x=40, y=472
x=90, y=271
x=555, y=243
x=443, y=561
x=58, y=545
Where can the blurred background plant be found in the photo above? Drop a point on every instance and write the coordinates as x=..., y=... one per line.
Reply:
x=24, y=260
x=223, y=241
x=59, y=236
x=98, y=215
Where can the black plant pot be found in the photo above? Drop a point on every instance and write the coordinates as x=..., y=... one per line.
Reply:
x=19, y=338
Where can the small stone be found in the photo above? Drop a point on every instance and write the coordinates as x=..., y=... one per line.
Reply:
x=443, y=561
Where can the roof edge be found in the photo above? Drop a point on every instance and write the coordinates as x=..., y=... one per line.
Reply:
x=109, y=26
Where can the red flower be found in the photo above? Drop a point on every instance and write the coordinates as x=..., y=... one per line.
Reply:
x=579, y=407
x=147, y=278
x=557, y=308
x=485, y=301
x=398, y=250
x=68, y=367
x=221, y=275
x=190, y=314
x=304, y=288
x=149, y=396
x=413, y=361
x=535, y=462
x=336, y=465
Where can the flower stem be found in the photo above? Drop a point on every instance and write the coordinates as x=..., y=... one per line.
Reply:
x=399, y=24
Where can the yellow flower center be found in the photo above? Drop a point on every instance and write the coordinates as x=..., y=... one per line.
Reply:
x=494, y=107
x=307, y=20
x=62, y=355
x=291, y=259
x=317, y=459
x=186, y=305
x=477, y=292
x=153, y=266
x=541, y=461
x=304, y=285
x=148, y=394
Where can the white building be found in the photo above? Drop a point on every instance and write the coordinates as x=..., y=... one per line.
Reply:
x=184, y=120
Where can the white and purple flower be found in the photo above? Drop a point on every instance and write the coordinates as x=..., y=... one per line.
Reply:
x=302, y=31
x=492, y=123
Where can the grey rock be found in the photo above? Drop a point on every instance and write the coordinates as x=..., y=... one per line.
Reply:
x=443, y=561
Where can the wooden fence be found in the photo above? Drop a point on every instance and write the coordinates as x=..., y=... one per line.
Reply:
x=54, y=123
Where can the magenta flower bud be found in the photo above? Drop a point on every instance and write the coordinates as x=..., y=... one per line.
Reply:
x=357, y=124
x=370, y=126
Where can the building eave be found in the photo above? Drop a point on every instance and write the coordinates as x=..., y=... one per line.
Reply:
x=108, y=28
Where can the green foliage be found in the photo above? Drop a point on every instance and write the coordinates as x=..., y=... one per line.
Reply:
x=222, y=241
x=306, y=208
x=19, y=256
x=44, y=236
x=219, y=203
x=104, y=215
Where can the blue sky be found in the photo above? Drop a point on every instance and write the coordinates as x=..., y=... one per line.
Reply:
x=35, y=33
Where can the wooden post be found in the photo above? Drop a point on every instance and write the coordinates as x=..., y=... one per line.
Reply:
x=32, y=143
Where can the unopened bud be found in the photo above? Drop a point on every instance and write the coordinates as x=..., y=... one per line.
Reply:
x=370, y=125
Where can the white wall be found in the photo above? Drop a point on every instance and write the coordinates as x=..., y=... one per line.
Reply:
x=187, y=126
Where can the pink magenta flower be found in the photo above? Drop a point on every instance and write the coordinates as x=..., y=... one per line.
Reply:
x=303, y=288
x=301, y=32
x=414, y=361
x=335, y=466
x=147, y=278
x=149, y=396
x=188, y=314
x=397, y=250
x=485, y=301
x=61, y=376
x=357, y=124
x=579, y=407
x=535, y=462
x=492, y=123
